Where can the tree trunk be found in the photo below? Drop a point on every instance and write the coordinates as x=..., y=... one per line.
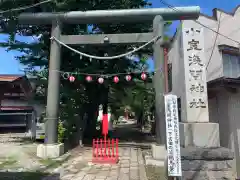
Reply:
x=92, y=110
x=80, y=123
x=153, y=128
x=105, y=100
x=90, y=130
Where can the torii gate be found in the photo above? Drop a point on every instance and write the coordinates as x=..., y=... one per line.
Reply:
x=156, y=15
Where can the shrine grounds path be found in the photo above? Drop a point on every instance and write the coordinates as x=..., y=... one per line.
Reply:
x=130, y=166
x=78, y=165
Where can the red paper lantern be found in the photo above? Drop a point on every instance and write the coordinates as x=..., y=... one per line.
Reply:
x=116, y=79
x=100, y=80
x=128, y=78
x=88, y=78
x=71, y=78
x=144, y=76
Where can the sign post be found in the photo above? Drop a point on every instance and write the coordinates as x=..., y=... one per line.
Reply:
x=172, y=137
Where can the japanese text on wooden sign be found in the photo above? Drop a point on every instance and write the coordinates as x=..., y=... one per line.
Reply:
x=172, y=135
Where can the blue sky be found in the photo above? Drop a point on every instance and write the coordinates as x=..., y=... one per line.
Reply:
x=10, y=66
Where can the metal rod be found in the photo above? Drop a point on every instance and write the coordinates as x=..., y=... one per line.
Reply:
x=166, y=70
x=53, y=87
x=13, y=125
x=159, y=79
x=108, y=16
x=5, y=114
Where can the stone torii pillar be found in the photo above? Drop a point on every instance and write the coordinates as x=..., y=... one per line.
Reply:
x=53, y=86
x=155, y=15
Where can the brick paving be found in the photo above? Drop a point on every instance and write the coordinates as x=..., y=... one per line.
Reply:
x=129, y=167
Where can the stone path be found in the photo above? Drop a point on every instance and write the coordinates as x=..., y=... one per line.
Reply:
x=130, y=167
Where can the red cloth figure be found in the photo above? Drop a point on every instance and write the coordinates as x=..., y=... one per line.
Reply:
x=105, y=124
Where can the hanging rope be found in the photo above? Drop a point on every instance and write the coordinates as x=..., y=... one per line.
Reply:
x=108, y=57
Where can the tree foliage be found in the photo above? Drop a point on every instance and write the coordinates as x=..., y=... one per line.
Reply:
x=81, y=97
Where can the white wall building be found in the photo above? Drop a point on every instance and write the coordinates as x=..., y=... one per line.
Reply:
x=222, y=60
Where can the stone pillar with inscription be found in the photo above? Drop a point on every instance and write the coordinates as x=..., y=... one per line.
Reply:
x=195, y=116
x=201, y=154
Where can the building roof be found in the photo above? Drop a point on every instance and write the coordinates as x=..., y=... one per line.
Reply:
x=223, y=81
x=214, y=16
x=229, y=49
x=7, y=79
x=10, y=77
x=16, y=108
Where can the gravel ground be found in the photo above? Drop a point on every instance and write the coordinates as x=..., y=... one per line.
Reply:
x=19, y=154
x=155, y=173
x=18, y=160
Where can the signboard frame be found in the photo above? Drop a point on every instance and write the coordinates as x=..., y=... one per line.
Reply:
x=174, y=167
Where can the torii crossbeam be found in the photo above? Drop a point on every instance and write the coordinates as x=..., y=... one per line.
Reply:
x=110, y=16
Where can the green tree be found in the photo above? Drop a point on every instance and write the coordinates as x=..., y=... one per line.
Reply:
x=79, y=97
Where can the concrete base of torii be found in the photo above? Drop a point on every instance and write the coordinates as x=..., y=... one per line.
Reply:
x=157, y=157
x=46, y=151
x=199, y=134
x=201, y=154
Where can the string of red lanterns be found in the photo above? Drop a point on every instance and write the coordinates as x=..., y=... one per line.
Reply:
x=115, y=78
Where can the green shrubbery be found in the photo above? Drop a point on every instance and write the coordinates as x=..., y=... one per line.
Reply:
x=61, y=132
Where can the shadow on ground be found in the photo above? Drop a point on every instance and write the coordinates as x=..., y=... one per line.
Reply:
x=132, y=133
x=28, y=176
x=128, y=135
